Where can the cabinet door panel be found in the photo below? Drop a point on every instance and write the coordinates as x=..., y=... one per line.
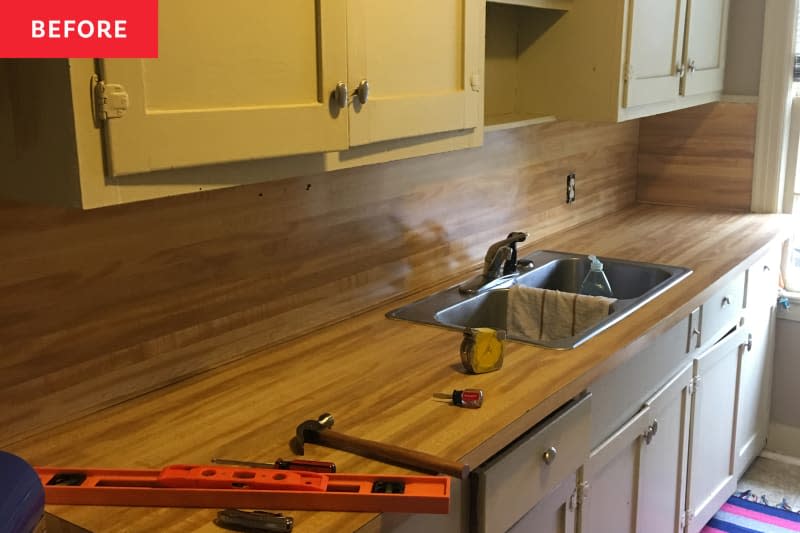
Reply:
x=418, y=57
x=711, y=456
x=554, y=514
x=612, y=474
x=249, y=81
x=754, y=387
x=706, y=39
x=655, y=48
x=662, y=470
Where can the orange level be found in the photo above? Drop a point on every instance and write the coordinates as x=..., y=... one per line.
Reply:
x=245, y=488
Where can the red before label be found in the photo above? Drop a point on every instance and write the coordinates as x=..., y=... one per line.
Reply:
x=79, y=28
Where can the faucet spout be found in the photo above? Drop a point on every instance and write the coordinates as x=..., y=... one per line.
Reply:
x=500, y=260
x=510, y=263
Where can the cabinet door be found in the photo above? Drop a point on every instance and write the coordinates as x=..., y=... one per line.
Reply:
x=612, y=475
x=554, y=514
x=655, y=51
x=712, y=437
x=419, y=58
x=248, y=81
x=706, y=39
x=662, y=468
x=636, y=479
x=753, y=390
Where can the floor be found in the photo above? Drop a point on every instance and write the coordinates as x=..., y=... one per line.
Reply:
x=775, y=481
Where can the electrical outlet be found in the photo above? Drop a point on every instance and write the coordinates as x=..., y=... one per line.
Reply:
x=570, y=187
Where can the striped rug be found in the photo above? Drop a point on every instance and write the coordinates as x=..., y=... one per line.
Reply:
x=743, y=516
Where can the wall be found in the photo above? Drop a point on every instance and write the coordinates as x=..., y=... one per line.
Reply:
x=745, y=34
x=102, y=305
x=701, y=156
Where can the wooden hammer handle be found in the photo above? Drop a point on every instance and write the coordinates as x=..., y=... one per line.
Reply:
x=391, y=453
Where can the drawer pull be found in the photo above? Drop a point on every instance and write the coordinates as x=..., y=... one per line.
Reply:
x=766, y=268
x=652, y=429
x=726, y=301
x=549, y=455
x=749, y=342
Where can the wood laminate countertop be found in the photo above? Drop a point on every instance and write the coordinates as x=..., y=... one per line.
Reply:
x=378, y=377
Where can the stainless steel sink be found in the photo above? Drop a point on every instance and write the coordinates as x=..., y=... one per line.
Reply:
x=634, y=284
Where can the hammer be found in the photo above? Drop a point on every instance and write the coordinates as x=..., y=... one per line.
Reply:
x=318, y=431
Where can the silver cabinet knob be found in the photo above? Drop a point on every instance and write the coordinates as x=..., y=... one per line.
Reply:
x=549, y=455
x=680, y=70
x=691, y=66
x=341, y=94
x=362, y=92
x=651, y=431
x=726, y=301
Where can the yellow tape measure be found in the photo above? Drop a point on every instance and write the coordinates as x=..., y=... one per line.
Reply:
x=482, y=349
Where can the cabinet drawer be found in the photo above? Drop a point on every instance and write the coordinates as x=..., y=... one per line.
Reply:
x=762, y=280
x=511, y=483
x=717, y=315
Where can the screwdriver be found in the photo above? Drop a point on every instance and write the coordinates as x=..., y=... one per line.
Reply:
x=325, y=467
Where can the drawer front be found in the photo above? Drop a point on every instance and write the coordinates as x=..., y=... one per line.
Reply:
x=762, y=281
x=717, y=315
x=512, y=483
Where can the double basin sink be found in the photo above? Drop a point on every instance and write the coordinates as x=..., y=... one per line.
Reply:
x=634, y=284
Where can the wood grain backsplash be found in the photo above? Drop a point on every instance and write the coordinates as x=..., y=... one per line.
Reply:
x=701, y=156
x=103, y=305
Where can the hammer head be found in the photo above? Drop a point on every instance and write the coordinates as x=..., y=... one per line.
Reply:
x=307, y=430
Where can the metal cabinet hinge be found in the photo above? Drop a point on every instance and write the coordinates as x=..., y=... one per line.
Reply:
x=694, y=384
x=686, y=518
x=109, y=100
x=475, y=83
x=579, y=495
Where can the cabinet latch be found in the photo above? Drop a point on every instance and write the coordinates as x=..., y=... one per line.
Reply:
x=109, y=100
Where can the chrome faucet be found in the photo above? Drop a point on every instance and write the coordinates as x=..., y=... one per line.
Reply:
x=500, y=261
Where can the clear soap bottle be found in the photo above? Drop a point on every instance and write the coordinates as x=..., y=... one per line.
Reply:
x=596, y=283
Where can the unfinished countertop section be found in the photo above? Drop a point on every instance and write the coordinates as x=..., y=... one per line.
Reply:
x=378, y=378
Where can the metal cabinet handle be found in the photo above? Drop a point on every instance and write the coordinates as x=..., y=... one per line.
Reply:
x=766, y=268
x=691, y=66
x=362, y=92
x=680, y=70
x=651, y=431
x=549, y=455
x=749, y=342
x=341, y=95
x=726, y=301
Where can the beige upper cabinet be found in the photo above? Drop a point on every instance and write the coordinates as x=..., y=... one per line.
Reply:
x=675, y=55
x=604, y=60
x=259, y=79
x=255, y=91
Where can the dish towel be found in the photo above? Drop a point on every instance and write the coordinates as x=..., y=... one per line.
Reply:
x=549, y=315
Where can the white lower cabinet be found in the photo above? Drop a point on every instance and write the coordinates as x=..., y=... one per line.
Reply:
x=635, y=479
x=674, y=456
x=711, y=478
